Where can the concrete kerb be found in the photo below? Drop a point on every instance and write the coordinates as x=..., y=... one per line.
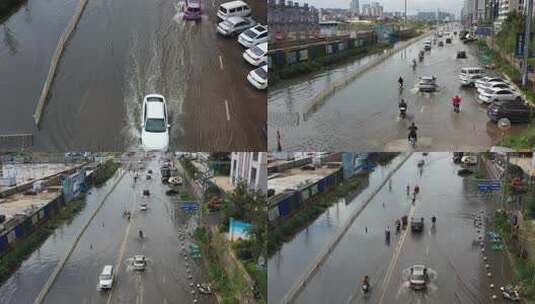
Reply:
x=320, y=97
x=55, y=61
x=298, y=286
x=48, y=284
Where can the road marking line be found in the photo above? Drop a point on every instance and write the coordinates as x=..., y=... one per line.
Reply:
x=226, y=108
x=221, y=63
x=163, y=279
x=395, y=257
x=121, y=251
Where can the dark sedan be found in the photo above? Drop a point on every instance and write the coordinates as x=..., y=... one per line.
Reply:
x=516, y=112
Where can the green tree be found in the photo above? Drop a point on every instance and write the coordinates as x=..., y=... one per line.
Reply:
x=251, y=206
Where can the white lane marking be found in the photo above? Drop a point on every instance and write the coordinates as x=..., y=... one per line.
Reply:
x=164, y=300
x=221, y=63
x=163, y=279
x=226, y=108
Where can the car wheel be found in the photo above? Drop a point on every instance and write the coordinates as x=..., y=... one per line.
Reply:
x=504, y=123
x=518, y=99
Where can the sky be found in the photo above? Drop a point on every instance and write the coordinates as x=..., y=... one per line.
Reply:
x=452, y=6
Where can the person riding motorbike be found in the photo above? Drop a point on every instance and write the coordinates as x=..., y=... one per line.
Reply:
x=365, y=284
x=434, y=219
x=413, y=136
x=456, y=101
x=400, y=81
x=402, y=107
x=414, y=63
x=140, y=234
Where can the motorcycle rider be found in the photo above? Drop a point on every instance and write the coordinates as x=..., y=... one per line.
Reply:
x=365, y=284
x=456, y=101
x=400, y=81
x=414, y=63
x=140, y=234
x=412, y=133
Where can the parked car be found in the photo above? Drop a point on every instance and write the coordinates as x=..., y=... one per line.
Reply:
x=490, y=95
x=259, y=77
x=233, y=9
x=515, y=112
x=488, y=79
x=494, y=86
x=418, y=277
x=469, y=76
x=235, y=25
x=469, y=160
x=105, y=280
x=140, y=262
x=154, y=126
x=427, y=84
x=253, y=36
x=256, y=55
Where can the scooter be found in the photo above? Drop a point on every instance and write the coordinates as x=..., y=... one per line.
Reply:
x=402, y=111
x=456, y=108
x=510, y=293
x=365, y=288
x=412, y=142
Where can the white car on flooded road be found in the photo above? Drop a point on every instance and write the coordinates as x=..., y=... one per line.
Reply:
x=256, y=55
x=154, y=126
x=259, y=77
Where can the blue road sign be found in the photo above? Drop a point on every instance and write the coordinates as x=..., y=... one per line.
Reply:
x=189, y=206
x=490, y=185
x=519, y=47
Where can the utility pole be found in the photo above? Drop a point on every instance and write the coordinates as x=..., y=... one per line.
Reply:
x=527, y=34
x=406, y=13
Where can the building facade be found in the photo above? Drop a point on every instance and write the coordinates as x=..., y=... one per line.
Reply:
x=505, y=7
x=286, y=17
x=355, y=7
x=250, y=167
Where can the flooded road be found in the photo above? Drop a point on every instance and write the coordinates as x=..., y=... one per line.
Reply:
x=450, y=249
x=121, y=51
x=112, y=239
x=364, y=115
x=26, y=283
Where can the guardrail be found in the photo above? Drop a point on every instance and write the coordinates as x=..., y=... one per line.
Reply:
x=55, y=60
x=16, y=141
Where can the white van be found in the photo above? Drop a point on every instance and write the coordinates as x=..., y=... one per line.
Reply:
x=469, y=76
x=233, y=9
x=105, y=280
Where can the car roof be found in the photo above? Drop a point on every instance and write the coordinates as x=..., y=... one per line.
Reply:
x=233, y=4
x=155, y=109
x=107, y=269
x=236, y=19
x=259, y=28
x=263, y=46
x=139, y=256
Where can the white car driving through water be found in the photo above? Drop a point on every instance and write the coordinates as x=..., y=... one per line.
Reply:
x=154, y=126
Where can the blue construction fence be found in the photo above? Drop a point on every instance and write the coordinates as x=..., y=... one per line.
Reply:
x=72, y=186
x=287, y=203
x=305, y=52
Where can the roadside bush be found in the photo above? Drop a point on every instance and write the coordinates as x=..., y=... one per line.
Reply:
x=108, y=170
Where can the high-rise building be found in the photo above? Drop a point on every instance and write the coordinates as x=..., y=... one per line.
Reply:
x=355, y=7
x=250, y=167
x=505, y=7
